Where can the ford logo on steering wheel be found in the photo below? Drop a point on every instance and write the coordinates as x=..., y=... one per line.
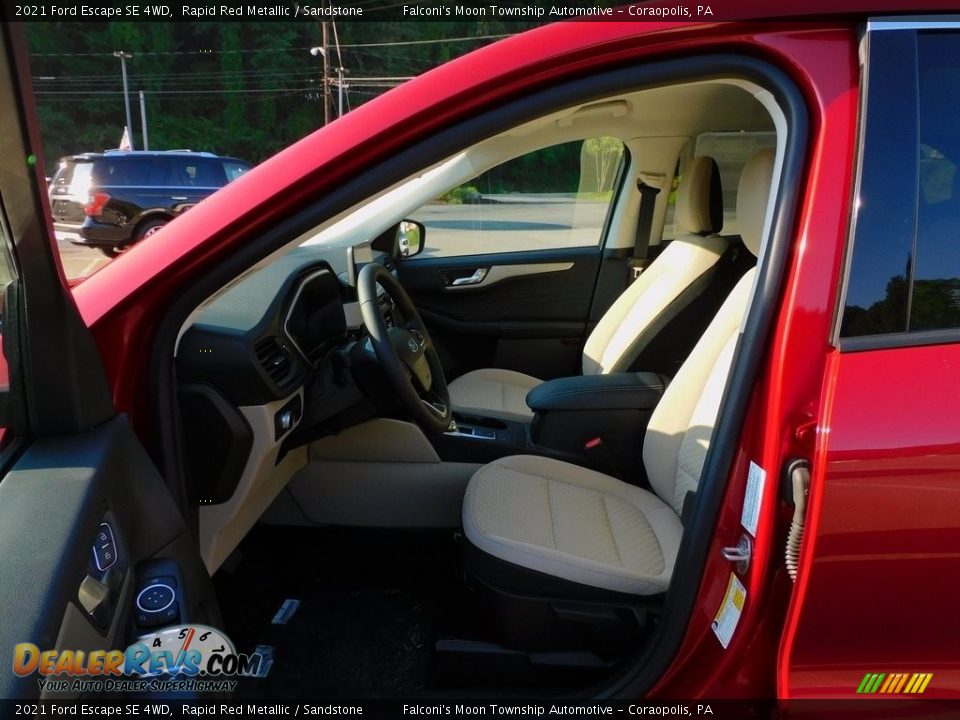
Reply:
x=413, y=345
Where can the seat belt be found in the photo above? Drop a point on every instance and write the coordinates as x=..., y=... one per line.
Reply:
x=641, y=246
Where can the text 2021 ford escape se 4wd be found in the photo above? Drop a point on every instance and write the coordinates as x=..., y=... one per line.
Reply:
x=676, y=428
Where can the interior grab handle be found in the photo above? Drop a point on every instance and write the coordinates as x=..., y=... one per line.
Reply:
x=478, y=275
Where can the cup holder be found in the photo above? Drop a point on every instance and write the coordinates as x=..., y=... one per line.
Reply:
x=491, y=423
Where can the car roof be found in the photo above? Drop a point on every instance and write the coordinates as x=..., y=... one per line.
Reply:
x=143, y=153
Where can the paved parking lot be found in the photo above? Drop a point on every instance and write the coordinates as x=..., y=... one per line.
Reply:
x=79, y=261
x=515, y=223
x=525, y=223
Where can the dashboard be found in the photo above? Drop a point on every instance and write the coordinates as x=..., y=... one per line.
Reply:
x=315, y=323
x=264, y=368
x=269, y=332
x=280, y=335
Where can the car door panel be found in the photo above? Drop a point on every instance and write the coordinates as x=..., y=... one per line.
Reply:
x=528, y=313
x=52, y=503
x=72, y=472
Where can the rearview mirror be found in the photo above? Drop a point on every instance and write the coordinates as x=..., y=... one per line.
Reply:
x=410, y=237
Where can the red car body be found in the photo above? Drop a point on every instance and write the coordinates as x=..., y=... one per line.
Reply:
x=875, y=590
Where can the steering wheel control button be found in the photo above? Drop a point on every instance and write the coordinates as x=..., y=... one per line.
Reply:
x=156, y=598
x=104, y=548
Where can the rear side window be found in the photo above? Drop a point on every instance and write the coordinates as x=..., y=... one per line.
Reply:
x=234, y=169
x=905, y=263
x=196, y=172
x=128, y=171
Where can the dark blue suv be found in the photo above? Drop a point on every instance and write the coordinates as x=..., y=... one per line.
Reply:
x=114, y=199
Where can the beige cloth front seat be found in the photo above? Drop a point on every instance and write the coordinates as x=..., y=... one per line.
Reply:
x=594, y=530
x=631, y=322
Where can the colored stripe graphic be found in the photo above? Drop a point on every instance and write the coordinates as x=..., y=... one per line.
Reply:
x=894, y=683
x=889, y=681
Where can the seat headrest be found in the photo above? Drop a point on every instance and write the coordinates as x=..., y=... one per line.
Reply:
x=700, y=198
x=752, y=196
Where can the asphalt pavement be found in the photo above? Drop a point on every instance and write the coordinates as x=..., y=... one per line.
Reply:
x=508, y=223
x=511, y=223
x=79, y=261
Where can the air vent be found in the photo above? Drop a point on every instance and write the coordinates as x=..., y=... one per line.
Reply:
x=274, y=358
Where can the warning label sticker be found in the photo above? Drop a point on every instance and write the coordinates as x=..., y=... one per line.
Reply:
x=725, y=623
x=756, y=479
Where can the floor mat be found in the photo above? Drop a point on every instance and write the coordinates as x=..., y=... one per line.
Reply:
x=369, y=604
x=354, y=641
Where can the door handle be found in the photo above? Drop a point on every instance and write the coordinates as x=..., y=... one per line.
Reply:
x=179, y=197
x=478, y=275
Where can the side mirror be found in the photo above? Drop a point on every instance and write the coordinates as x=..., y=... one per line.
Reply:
x=410, y=237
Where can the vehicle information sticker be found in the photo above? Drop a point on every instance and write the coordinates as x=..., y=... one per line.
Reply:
x=725, y=623
x=756, y=478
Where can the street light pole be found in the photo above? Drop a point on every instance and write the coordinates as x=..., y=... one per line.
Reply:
x=326, y=78
x=339, y=92
x=143, y=120
x=124, y=56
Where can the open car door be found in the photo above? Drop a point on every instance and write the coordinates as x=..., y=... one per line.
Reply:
x=94, y=551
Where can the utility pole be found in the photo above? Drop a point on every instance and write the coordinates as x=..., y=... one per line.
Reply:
x=340, y=88
x=340, y=92
x=143, y=121
x=124, y=56
x=326, y=75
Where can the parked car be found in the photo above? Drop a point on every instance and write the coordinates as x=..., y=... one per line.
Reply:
x=114, y=199
x=715, y=457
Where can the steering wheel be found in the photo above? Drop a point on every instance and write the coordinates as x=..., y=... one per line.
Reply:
x=405, y=351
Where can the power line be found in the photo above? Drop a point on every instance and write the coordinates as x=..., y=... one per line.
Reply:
x=227, y=74
x=246, y=91
x=252, y=73
x=398, y=43
x=73, y=97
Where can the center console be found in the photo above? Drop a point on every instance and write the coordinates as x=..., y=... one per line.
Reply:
x=601, y=418
x=483, y=440
x=596, y=421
